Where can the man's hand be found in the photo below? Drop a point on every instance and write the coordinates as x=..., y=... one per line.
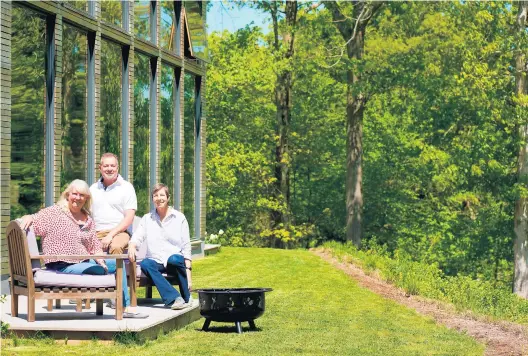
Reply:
x=106, y=241
x=27, y=220
x=131, y=252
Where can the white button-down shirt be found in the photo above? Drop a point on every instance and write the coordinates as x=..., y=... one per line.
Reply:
x=164, y=238
x=109, y=204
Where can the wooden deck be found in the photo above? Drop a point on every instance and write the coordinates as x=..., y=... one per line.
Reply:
x=66, y=323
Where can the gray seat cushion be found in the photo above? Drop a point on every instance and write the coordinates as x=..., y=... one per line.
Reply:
x=45, y=278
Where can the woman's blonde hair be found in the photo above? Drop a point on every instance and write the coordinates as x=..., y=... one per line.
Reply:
x=83, y=188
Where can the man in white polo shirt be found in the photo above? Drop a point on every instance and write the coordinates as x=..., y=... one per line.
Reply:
x=114, y=206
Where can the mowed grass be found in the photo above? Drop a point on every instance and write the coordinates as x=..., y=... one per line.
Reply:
x=314, y=309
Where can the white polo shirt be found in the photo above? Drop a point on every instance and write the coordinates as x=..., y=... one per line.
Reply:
x=109, y=204
x=164, y=239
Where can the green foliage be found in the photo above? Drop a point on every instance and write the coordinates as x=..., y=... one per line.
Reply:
x=241, y=142
x=440, y=136
x=418, y=278
x=4, y=327
x=439, y=151
x=128, y=338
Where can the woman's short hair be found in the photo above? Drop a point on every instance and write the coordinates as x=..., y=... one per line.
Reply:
x=83, y=188
x=159, y=186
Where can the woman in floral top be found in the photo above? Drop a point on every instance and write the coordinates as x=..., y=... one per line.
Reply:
x=67, y=228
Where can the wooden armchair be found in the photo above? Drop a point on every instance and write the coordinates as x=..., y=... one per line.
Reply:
x=27, y=278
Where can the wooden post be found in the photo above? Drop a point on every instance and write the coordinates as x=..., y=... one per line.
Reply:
x=119, y=289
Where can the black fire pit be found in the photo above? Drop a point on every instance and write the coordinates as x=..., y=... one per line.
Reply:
x=232, y=305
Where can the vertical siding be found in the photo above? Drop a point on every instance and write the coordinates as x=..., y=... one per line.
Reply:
x=5, y=129
x=57, y=149
x=131, y=94
x=97, y=109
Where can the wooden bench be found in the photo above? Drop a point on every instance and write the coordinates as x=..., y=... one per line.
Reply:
x=137, y=279
x=27, y=277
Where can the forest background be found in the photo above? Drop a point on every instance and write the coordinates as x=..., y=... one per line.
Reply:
x=440, y=135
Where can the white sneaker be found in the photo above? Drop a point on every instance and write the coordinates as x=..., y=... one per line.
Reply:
x=180, y=304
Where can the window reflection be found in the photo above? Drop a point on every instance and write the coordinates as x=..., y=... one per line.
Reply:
x=78, y=4
x=141, y=132
x=167, y=26
x=167, y=127
x=142, y=19
x=73, y=121
x=188, y=153
x=111, y=12
x=193, y=10
x=28, y=111
x=110, y=118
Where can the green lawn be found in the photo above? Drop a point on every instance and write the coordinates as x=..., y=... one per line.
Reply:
x=314, y=309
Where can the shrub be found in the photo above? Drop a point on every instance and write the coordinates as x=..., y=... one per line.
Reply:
x=418, y=278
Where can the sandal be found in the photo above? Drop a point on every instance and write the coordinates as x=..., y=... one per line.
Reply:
x=132, y=315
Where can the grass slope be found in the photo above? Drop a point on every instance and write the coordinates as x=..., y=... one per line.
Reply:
x=314, y=309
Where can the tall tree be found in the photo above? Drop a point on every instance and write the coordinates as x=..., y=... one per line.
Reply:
x=284, y=21
x=283, y=45
x=352, y=25
x=520, y=285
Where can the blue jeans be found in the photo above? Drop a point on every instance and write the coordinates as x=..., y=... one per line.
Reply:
x=91, y=267
x=175, y=267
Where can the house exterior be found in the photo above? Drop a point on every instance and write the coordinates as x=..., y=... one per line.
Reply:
x=80, y=78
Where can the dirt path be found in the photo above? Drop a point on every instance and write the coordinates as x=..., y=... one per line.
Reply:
x=500, y=338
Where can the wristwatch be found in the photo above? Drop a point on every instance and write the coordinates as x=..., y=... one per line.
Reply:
x=189, y=268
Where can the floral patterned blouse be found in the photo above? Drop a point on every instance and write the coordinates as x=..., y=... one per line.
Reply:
x=61, y=235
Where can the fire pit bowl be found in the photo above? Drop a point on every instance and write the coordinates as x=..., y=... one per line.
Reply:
x=232, y=305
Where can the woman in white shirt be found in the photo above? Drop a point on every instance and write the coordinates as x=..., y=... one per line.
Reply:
x=166, y=233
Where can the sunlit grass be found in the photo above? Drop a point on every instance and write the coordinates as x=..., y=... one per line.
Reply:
x=314, y=309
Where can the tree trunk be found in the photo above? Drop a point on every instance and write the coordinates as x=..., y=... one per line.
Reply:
x=520, y=285
x=354, y=129
x=353, y=27
x=283, y=102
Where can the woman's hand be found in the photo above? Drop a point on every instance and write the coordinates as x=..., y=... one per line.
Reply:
x=102, y=263
x=189, y=279
x=131, y=252
x=27, y=220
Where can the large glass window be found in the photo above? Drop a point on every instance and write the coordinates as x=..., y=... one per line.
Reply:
x=74, y=43
x=168, y=25
x=142, y=19
x=193, y=10
x=111, y=12
x=188, y=153
x=28, y=94
x=110, y=118
x=141, y=132
x=78, y=4
x=167, y=127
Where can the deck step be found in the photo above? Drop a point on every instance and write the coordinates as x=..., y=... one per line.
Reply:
x=211, y=249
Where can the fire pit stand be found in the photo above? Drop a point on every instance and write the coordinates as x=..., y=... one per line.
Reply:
x=232, y=305
x=238, y=325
